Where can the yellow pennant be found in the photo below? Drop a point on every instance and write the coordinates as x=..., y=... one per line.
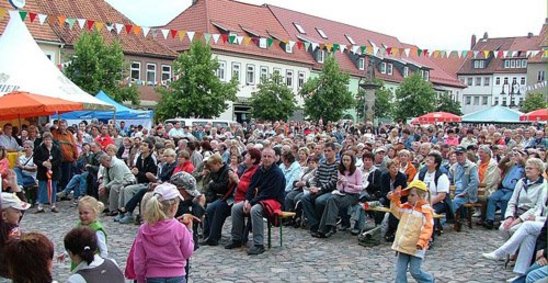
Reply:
x=247, y=40
x=182, y=34
x=486, y=53
x=2, y=13
x=99, y=26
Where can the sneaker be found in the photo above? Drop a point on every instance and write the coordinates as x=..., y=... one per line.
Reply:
x=54, y=210
x=513, y=279
x=119, y=217
x=355, y=231
x=233, y=245
x=491, y=256
x=39, y=210
x=256, y=250
x=127, y=219
x=488, y=224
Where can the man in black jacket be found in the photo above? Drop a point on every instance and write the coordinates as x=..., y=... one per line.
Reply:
x=215, y=189
x=267, y=188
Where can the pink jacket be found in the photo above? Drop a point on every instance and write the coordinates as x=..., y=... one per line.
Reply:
x=353, y=183
x=161, y=250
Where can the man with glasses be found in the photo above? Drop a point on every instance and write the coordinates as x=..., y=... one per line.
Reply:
x=116, y=176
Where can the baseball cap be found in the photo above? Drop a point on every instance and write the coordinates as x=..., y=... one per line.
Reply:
x=186, y=181
x=11, y=200
x=379, y=149
x=417, y=184
x=167, y=191
x=460, y=149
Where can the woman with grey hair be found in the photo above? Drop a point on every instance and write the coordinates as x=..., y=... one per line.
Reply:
x=25, y=169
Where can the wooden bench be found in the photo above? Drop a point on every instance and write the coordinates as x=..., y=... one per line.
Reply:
x=470, y=207
x=280, y=216
x=386, y=209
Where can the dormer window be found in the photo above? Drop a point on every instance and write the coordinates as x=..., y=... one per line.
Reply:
x=405, y=72
x=322, y=33
x=320, y=56
x=350, y=39
x=288, y=48
x=383, y=68
x=299, y=28
x=361, y=63
x=389, y=68
x=426, y=75
x=479, y=64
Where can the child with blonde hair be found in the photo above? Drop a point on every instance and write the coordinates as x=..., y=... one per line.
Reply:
x=414, y=231
x=163, y=245
x=89, y=208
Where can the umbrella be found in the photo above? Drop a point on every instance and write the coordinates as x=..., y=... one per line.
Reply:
x=535, y=116
x=20, y=104
x=436, y=117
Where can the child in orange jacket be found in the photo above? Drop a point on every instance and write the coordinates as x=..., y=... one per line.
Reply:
x=414, y=231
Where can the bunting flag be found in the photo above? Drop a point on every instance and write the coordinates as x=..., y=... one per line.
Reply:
x=190, y=35
x=207, y=37
x=173, y=34
x=247, y=40
x=343, y=48
x=110, y=27
x=224, y=38
x=269, y=42
x=42, y=18
x=500, y=54
x=306, y=45
x=335, y=47
x=407, y=51
x=146, y=30
x=61, y=20
x=119, y=28
x=215, y=37
x=89, y=24
x=299, y=45
x=231, y=39
x=3, y=13
x=23, y=15
x=239, y=39
x=128, y=28
x=32, y=16
x=81, y=23
x=99, y=26
x=70, y=22
x=545, y=54
x=137, y=30
x=165, y=32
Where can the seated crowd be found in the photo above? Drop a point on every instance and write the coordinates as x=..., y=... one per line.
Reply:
x=330, y=175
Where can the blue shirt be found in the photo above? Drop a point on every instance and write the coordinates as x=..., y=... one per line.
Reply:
x=512, y=177
x=465, y=177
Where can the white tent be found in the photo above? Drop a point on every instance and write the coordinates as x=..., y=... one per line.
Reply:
x=24, y=67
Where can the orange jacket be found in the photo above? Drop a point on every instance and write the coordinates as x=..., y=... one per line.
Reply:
x=410, y=172
x=67, y=144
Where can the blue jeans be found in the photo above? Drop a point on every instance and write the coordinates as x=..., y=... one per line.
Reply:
x=313, y=209
x=79, y=184
x=23, y=178
x=179, y=279
x=458, y=202
x=500, y=199
x=43, y=192
x=414, y=263
x=535, y=273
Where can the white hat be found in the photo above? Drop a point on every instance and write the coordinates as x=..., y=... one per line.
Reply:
x=11, y=200
x=379, y=149
x=167, y=191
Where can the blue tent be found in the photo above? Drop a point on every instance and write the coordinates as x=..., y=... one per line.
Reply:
x=122, y=112
x=497, y=114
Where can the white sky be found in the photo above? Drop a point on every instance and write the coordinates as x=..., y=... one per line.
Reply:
x=431, y=24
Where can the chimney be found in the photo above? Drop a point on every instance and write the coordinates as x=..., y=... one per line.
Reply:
x=194, y=2
x=473, y=41
x=529, y=35
x=485, y=35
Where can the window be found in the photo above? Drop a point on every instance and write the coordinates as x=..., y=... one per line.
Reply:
x=389, y=68
x=506, y=64
x=479, y=64
x=497, y=81
x=135, y=70
x=406, y=73
x=476, y=100
x=505, y=81
x=236, y=71
x=350, y=39
x=302, y=77
x=361, y=63
x=250, y=75
x=486, y=81
x=299, y=28
x=518, y=63
x=383, y=68
x=289, y=78
x=320, y=56
x=524, y=63
x=264, y=72
x=504, y=101
x=469, y=81
x=288, y=48
x=496, y=101
x=512, y=63
x=166, y=73
x=221, y=70
x=484, y=100
x=426, y=75
x=468, y=100
x=540, y=76
x=277, y=71
x=478, y=81
x=151, y=73
x=322, y=33
x=522, y=81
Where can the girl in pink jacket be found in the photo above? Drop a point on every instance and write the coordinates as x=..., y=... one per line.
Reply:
x=163, y=244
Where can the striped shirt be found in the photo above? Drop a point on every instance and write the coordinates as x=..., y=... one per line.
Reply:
x=326, y=176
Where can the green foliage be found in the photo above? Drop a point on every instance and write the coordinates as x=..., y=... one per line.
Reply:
x=97, y=66
x=327, y=96
x=197, y=92
x=274, y=100
x=414, y=97
x=534, y=101
x=444, y=103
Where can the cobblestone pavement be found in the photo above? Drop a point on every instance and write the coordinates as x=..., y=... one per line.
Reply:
x=456, y=257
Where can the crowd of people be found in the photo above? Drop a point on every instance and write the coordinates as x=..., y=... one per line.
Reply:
x=181, y=183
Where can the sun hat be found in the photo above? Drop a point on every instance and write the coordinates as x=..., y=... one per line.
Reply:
x=167, y=191
x=11, y=200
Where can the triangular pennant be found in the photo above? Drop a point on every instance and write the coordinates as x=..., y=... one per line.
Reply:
x=239, y=39
x=128, y=28
x=181, y=34
x=464, y=53
x=137, y=30
x=81, y=23
x=198, y=35
x=354, y=49
x=173, y=33
x=306, y=45
x=475, y=52
x=3, y=13
x=314, y=46
x=70, y=22
x=335, y=47
x=299, y=45
x=515, y=54
x=23, y=15
x=291, y=44
x=119, y=28
x=190, y=35
x=99, y=26
x=363, y=49
x=207, y=37
x=247, y=40
x=343, y=47
x=52, y=21
x=146, y=30
x=485, y=54
x=534, y=53
x=545, y=54
x=419, y=52
x=500, y=54
x=32, y=16
x=165, y=32
x=388, y=51
x=110, y=27
x=505, y=53
x=257, y=40
x=61, y=20
x=407, y=51
x=231, y=39
x=375, y=50
x=215, y=37
x=224, y=38
x=42, y=18
x=89, y=24
x=269, y=41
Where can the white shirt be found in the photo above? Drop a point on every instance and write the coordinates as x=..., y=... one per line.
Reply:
x=77, y=278
x=443, y=183
x=27, y=162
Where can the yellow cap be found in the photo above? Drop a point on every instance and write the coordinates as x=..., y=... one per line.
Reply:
x=417, y=184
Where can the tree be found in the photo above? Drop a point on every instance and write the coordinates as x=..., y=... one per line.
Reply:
x=97, y=66
x=197, y=92
x=274, y=100
x=414, y=97
x=444, y=103
x=383, y=101
x=327, y=96
x=534, y=101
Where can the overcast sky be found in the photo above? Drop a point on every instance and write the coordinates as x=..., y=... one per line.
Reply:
x=430, y=24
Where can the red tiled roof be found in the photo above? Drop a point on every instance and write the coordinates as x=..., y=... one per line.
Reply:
x=39, y=32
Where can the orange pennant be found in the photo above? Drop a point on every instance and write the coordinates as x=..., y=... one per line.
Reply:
x=137, y=30
x=52, y=20
x=61, y=20
x=3, y=13
x=247, y=40
x=99, y=26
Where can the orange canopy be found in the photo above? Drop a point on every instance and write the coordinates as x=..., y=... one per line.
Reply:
x=535, y=116
x=19, y=104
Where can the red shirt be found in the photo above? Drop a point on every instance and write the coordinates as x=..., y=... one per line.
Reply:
x=104, y=141
x=243, y=185
x=186, y=166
